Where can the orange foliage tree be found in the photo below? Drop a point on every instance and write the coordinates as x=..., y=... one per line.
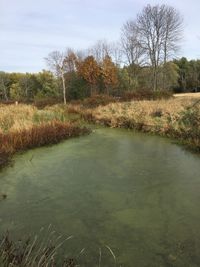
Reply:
x=90, y=71
x=109, y=73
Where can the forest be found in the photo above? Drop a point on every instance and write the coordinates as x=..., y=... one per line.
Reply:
x=181, y=76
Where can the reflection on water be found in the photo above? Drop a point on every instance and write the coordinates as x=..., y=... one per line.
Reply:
x=138, y=194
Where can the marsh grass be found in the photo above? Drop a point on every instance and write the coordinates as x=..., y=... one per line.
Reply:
x=46, y=250
x=40, y=251
x=178, y=118
x=24, y=126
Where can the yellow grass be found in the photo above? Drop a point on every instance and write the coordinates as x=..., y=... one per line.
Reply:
x=146, y=112
x=18, y=117
x=195, y=95
x=24, y=126
x=177, y=117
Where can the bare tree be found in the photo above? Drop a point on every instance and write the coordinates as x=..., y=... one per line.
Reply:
x=173, y=29
x=116, y=53
x=159, y=30
x=61, y=63
x=56, y=62
x=150, y=26
x=133, y=51
x=130, y=42
x=100, y=50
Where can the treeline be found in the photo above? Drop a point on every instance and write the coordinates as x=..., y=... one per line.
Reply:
x=141, y=61
x=181, y=76
x=28, y=86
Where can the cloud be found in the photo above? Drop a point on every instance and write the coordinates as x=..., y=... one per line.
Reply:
x=29, y=30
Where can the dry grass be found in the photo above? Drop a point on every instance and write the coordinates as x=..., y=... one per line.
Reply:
x=176, y=117
x=152, y=113
x=24, y=126
x=196, y=95
x=14, y=118
x=41, y=251
x=46, y=250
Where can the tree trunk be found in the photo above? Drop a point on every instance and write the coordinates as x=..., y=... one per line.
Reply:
x=164, y=77
x=64, y=89
x=155, y=79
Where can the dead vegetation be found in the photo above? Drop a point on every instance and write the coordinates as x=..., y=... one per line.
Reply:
x=178, y=118
x=23, y=127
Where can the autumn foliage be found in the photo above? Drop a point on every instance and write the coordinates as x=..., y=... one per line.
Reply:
x=95, y=73
x=90, y=71
x=109, y=73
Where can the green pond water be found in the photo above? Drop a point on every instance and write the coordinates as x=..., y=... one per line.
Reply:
x=137, y=194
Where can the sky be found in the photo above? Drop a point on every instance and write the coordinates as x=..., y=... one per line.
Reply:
x=31, y=29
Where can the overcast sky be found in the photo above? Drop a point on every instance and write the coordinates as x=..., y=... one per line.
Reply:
x=30, y=29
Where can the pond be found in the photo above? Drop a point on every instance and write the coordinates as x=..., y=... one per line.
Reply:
x=135, y=193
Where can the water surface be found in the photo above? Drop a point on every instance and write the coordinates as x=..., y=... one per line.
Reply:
x=138, y=194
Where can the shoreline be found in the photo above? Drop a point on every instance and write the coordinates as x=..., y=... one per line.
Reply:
x=25, y=127
x=181, y=125
x=61, y=132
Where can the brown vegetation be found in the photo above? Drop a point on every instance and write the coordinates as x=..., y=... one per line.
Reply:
x=34, y=252
x=103, y=100
x=177, y=118
x=23, y=127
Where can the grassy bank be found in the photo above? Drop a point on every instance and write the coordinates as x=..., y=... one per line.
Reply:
x=24, y=126
x=178, y=118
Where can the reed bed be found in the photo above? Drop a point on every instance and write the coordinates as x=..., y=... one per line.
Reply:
x=40, y=251
x=46, y=249
x=24, y=126
x=178, y=118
